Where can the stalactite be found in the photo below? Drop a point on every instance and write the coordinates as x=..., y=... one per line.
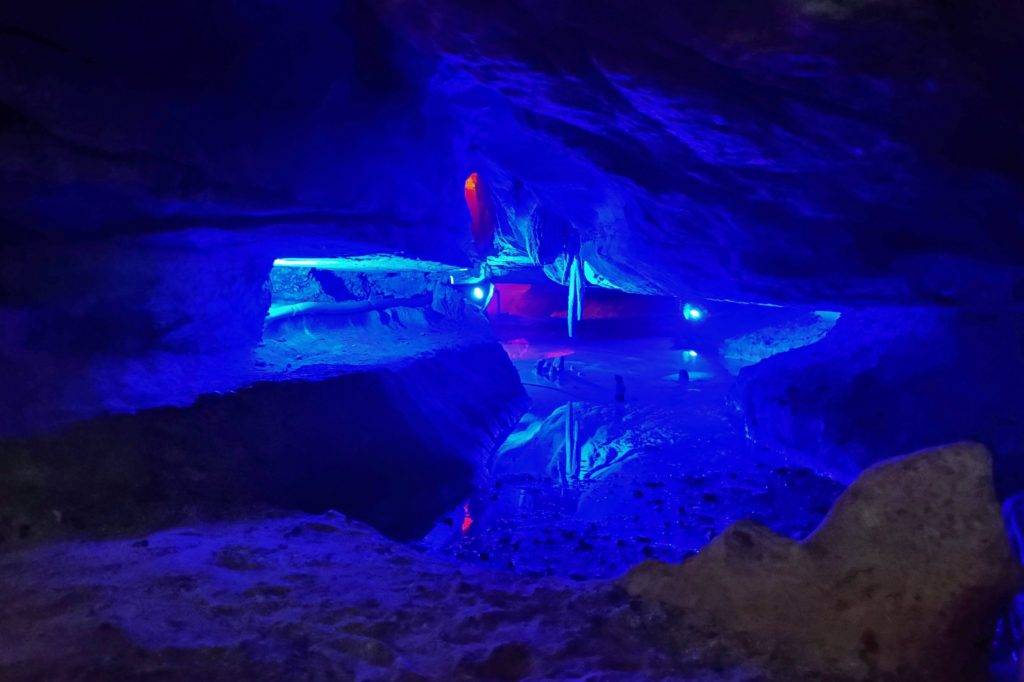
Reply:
x=574, y=313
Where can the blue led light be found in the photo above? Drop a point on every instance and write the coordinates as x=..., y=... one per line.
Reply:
x=693, y=313
x=480, y=294
x=376, y=262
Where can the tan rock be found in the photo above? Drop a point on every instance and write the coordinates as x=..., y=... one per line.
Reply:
x=902, y=580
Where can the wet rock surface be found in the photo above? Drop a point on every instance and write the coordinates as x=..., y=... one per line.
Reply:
x=156, y=160
x=903, y=579
x=586, y=487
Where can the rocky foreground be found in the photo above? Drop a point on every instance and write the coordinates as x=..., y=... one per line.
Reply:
x=903, y=580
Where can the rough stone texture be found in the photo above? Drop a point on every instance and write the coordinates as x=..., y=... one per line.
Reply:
x=155, y=160
x=803, y=151
x=899, y=583
x=69, y=312
x=902, y=580
x=312, y=598
x=395, y=445
x=807, y=151
x=124, y=324
x=749, y=348
x=888, y=381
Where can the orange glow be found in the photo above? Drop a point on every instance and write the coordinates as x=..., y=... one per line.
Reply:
x=473, y=201
x=481, y=212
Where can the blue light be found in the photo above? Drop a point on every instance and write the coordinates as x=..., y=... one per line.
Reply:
x=693, y=313
x=480, y=294
x=690, y=354
x=374, y=262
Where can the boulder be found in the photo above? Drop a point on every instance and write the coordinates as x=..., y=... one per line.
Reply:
x=903, y=579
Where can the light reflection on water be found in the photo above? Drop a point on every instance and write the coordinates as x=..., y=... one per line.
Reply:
x=588, y=485
x=588, y=489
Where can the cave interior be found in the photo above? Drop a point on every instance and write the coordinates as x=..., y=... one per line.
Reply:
x=423, y=339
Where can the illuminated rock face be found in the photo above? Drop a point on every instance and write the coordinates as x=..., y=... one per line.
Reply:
x=825, y=153
x=904, y=578
x=810, y=152
x=156, y=161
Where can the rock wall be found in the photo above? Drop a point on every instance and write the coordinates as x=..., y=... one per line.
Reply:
x=886, y=381
x=124, y=120
x=70, y=311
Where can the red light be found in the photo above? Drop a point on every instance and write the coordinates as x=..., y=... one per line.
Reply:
x=481, y=212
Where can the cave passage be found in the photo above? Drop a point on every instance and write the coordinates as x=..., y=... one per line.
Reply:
x=594, y=478
x=396, y=340
x=588, y=485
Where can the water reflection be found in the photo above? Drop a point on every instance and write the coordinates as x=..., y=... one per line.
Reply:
x=571, y=462
x=586, y=490
x=576, y=442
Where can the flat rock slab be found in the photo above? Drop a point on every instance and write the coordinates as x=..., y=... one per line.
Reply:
x=395, y=445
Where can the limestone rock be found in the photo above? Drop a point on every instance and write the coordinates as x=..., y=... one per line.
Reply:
x=902, y=580
x=394, y=444
x=448, y=301
x=809, y=151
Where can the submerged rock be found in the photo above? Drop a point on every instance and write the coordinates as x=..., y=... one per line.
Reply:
x=902, y=580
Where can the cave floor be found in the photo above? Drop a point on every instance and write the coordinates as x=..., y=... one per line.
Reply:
x=655, y=476
x=503, y=588
x=308, y=597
